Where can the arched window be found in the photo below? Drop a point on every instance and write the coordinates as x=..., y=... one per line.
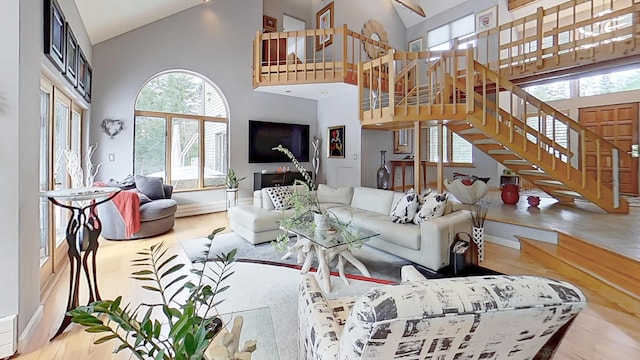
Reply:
x=181, y=126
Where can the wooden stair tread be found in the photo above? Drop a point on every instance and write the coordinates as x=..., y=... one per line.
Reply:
x=567, y=193
x=516, y=162
x=533, y=173
x=501, y=152
x=550, y=256
x=485, y=141
x=550, y=183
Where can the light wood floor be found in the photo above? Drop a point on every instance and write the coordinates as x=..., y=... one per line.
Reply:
x=600, y=332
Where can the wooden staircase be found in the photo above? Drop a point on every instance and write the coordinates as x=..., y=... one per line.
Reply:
x=538, y=142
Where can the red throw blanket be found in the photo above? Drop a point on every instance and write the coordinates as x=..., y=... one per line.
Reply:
x=128, y=204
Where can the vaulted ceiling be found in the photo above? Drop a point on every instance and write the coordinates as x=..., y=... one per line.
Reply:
x=106, y=19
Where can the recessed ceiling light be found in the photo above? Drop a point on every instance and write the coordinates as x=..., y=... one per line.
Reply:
x=287, y=91
x=379, y=124
x=325, y=92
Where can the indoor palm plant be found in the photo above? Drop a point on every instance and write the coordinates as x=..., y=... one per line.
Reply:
x=185, y=329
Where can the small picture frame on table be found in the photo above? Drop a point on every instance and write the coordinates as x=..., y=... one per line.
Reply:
x=269, y=24
x=335, y=142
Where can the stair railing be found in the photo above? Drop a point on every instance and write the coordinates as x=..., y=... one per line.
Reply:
x=548, y=136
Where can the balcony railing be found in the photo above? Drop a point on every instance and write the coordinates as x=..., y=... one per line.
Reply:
x=299, y=57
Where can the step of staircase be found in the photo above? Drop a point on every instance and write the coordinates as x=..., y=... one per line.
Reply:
x=485, y=142
x=471, y=131
x=501, y=152
x=550, y=183
x=567, y=193
x=533, y=173
x=520, y=162
x=586, y=273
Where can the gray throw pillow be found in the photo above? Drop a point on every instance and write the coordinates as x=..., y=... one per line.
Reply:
x=150, y=186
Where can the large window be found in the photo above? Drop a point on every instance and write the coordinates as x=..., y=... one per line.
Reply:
x=181, y=126
x=610, y=83
x=442, y=38
x=456, y=150
x=559, y=90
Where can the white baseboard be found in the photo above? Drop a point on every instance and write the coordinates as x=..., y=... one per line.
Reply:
x=503, y=242
x=32, y=325
x=8, y=330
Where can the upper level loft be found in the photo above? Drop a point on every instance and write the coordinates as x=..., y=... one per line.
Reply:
x=571, y=38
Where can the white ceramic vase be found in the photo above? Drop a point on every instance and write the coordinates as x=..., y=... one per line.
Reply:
x=478, y=239
x=321, y=221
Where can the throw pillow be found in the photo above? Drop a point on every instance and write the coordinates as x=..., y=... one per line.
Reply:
x=143, y=198
x=341, y=195
x=406, y=208
x=150, y=186
x=279, y=196
x=432, y=208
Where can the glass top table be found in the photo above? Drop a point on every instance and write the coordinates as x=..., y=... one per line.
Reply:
x=336, y=241
x=257, y=325
x=336, y=235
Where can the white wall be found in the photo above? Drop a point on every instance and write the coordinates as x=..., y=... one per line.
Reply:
x=213, y=39
x=21, y=24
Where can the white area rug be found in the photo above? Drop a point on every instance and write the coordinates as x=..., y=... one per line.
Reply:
x=257, y=285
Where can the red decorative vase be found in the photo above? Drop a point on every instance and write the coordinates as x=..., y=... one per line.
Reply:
x=510, y=193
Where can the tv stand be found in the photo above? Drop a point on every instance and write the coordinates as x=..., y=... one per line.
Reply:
x=270, y=179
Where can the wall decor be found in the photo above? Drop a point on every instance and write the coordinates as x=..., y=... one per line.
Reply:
x=415, y=45
x=71, y=59
x=487, y=19
x=402, y=141
x=335, y=145
x=269, y=24
x=87, y=83
x=82, y=72
x=375, y=31
x=112, y=127
x=54, y=35
x=324, y=20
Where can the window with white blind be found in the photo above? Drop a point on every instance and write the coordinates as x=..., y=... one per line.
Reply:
x=441, y=38
x=456, y=150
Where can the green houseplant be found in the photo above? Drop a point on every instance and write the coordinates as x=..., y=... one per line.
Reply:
x=232, y=180
x=185, y=329
x=304, y=199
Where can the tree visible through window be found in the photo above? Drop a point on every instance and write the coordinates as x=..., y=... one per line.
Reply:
x=181, y=125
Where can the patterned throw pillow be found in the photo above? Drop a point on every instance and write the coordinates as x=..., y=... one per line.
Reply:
x=406, y=208
x=279, y=196
x=432, y=208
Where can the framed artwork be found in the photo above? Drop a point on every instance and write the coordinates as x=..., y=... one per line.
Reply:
x=487, y=19
x=324, y=20
x=54, y=34
x=415, y=45
x=71, y=59
x=87, y=83
x=82, y=72
x=269, y=24
x=402, y=141
x=335, y=145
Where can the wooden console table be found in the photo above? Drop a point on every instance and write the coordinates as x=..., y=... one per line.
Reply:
x=403, y=164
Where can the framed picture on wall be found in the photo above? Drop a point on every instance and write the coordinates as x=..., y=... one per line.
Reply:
x=269, y=24
x=71, y=72
x=335, y=144
x=487, y=19
x=54, y=34
x=324, y=20
x=415, y=45
x=82, y=72
x=402, y=141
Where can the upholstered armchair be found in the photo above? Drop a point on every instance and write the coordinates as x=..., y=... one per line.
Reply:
x=140, y=212
x=482, y=317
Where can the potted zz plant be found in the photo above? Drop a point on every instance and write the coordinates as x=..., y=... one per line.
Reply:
x=232, y=187
x=187, y=326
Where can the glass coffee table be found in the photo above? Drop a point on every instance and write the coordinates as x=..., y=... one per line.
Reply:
x=257, y=326
x=337, y=241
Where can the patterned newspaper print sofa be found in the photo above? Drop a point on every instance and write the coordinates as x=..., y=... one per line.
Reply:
x=482, y=317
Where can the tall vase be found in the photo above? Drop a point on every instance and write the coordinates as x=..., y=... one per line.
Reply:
x=478, y=239
x=383, y=172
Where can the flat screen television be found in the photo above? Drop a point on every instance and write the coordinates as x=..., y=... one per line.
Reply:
x=264, y=136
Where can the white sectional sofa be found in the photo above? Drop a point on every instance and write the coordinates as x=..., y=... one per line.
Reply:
x=426, y=244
